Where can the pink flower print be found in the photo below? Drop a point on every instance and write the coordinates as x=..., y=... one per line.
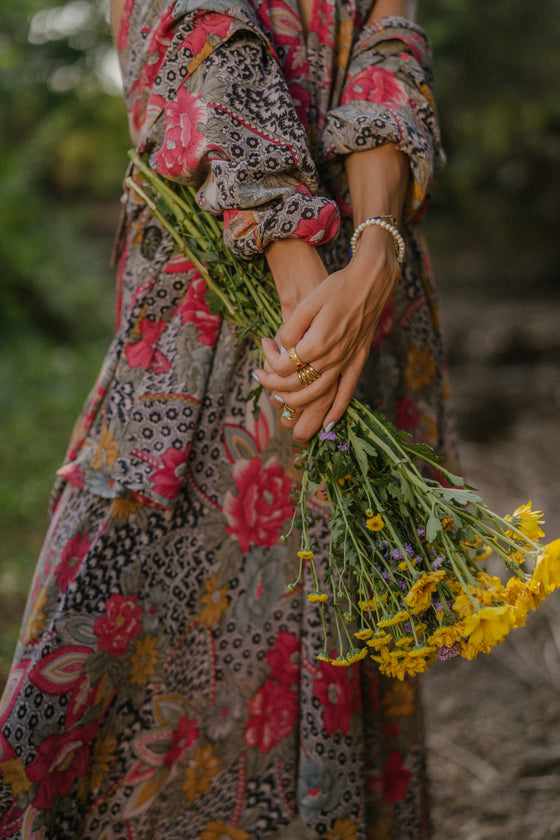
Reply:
x=320, y=228
x=119, y=625
x=337, y=690
x=285, y=658
x=273, y=712
x=71, y=559
x=183, y=143
x=168, y=480
x=58, y=762
x=385, y=325
x=196, y=311
x=144, y=353
x=375, y=84
x=262, y=505
x=406, y=414
x=183, y=738
x=395, y=778
x=205, y=24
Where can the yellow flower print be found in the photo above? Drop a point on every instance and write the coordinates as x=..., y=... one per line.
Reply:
x=528, y=521
x=123, y=509
x=420, y=368
x=144, y=660
x=102, y=755
x=344, y=42
x=419, y=596
x=399, y=701
x=343, y=830
x=37, y=619
x=218, y=830
x=13, y=773
x=198, y=776
x=107, y=447
x=215, y=600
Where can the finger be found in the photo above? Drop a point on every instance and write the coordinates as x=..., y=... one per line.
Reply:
x=346, y=388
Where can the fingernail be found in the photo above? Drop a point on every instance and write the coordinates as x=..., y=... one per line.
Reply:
x=330, y=427
x=282, y=349
x=280, y=400
x=254, y=375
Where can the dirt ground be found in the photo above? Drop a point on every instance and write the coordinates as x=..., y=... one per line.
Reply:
x=493, y=725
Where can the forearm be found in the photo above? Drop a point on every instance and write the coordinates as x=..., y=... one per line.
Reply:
x=296, y=268
x=389, y=8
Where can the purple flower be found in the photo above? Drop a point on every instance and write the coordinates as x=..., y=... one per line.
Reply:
x=324, y=435
x=421, y=533
x=437, y=562
x=448, y=652
x=409, y=550
x=396, y=554
x=343, y=447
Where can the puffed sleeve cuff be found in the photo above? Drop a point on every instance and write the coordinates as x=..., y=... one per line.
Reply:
x=230, y=127
x=387, y=98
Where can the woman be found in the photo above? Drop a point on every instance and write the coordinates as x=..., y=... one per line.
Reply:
x=166, y=681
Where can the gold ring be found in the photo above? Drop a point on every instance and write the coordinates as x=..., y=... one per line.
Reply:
x=307, y=374
x=294, y=358
x=289, y=413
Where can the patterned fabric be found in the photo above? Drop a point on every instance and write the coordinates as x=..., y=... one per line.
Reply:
x=165, y=683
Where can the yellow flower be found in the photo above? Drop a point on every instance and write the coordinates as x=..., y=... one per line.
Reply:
x=37, y=619
x=488, y=626
x=405, y=641
x=342, y=481
x=447, y=523
x=101, y=757
x=215, y=600
x=419, y=596
x=343, y=830
x=547, y=568
x=317, y=597
x=492, y=585
x=379, y=642
x=399, y=617
x=198, y=776
x=415, y=664
x=218, y=830
x=399, y=701
x=13, y=772
x=420, y=367
x=364, y=634
x=447, y=636
x=340, y=662
x=527, y=520
x=144, y=660
x=523, y=597
x=375, y=523
x=356, y=655
x=305, y=555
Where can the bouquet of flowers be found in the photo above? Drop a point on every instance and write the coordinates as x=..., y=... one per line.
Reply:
x=404, y=582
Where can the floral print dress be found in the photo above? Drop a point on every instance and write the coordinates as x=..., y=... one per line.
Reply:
x=166, y=682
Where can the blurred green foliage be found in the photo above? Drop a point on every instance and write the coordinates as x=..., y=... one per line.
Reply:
x=63, y=139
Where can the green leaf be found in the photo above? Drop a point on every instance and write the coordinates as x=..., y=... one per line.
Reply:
x=433, y=527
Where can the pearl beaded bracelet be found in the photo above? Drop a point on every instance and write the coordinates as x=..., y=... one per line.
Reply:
x=388, y=223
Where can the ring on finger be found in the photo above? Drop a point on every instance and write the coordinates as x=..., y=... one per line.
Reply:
x=289, y=413
x=307, y=374
x=294, y=358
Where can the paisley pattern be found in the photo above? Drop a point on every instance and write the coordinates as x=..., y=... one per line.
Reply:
x=165, y=682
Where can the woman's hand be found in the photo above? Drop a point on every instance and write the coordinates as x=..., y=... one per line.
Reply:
x=332, y=329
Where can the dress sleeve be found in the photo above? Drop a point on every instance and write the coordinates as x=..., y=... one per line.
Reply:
x=387, y=97
x=219, y=115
